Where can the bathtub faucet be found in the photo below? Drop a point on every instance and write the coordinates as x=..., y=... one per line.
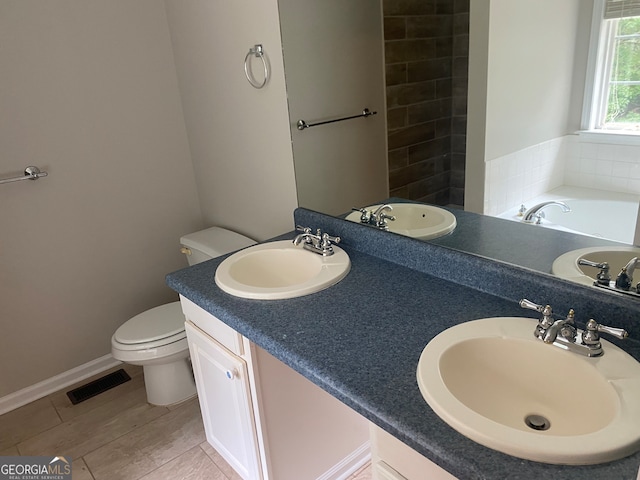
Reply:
x=535, y=214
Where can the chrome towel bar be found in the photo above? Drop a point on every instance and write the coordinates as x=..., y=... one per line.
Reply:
x=365, y=113
x=30, y=173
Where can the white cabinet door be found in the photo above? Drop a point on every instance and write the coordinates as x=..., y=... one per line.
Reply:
x=225, y=401
x=382, y=471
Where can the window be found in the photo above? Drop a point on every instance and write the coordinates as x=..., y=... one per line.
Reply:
x=615, y=104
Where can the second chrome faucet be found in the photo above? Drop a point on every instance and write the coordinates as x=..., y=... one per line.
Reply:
x=376, y=218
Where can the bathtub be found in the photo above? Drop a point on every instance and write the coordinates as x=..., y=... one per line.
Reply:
x=598, y=213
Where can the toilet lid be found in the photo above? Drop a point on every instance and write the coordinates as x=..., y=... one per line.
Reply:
x=155, y=324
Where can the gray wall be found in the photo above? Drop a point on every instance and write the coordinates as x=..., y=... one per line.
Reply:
x=527, y=61
x=533, y=52
x=89, y=93
x=239, y=136
x=141, y=113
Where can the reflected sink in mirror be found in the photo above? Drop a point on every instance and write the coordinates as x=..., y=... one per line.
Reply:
x=415, y=220
x=566, y=266
x=280, y=270
x=493, y=381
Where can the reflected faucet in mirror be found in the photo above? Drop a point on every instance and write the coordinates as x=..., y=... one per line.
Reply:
x=536, y=214
x=625, y=277
x=623, y=281
x=378, y=217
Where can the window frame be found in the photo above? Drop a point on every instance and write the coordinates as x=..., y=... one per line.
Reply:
x=599, y=64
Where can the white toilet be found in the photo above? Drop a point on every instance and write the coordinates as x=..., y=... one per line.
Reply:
x=156, y=339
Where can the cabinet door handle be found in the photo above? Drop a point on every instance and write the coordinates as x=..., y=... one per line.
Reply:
x=231, y=374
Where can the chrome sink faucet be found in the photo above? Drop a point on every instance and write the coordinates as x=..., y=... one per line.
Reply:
x=564, y=327
x=563, y=333
x=536, y=214
x=603, y=277
x=320, y=243
x=377, y=218
x=623, y=282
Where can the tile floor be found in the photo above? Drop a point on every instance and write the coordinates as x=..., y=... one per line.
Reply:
x=118, y=435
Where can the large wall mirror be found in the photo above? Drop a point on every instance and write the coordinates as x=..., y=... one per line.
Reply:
x=525, y=102
x=530, y=77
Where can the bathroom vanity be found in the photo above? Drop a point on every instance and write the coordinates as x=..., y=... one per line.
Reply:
x=265, y=419
x=360, y=341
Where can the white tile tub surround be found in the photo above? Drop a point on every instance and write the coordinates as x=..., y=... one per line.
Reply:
x=516, y=177
x=602, y=162
x=598, y=213
x=597, y=162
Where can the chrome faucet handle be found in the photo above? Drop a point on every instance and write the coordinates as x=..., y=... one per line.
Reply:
x=306, y=237
x=380, y=216
x=624, y=280
x=300, y=228
x=591, y=335
x=382, y=221
x=365, y=215
x=328, y=239
x=547, y=320
x=603, y=277
x=522, y=210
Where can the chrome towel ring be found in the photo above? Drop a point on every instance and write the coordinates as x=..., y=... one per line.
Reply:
x=258, y=52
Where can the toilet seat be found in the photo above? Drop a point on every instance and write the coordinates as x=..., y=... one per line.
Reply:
x=162, y=325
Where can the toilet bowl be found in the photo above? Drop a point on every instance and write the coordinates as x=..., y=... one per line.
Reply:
x=156, y=339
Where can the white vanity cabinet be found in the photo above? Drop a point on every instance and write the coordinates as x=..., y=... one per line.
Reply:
x=265, y=419
x=225, y=400
x=393, y=460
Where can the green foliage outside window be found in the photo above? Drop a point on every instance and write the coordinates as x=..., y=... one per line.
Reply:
x=624, y=100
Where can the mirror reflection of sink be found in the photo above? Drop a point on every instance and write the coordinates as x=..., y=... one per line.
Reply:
x=280, y=270
x=497, y=384
x=415, y=220
x=566, y=265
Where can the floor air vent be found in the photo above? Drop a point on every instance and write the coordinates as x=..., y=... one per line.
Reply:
x=98, y=386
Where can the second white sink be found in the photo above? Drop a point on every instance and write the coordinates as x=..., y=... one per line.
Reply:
x=497, y=384
x=415, y=220
x=280, y=270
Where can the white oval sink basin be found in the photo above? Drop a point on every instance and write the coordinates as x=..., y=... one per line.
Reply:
x=415, y=220
x=493, y=381
x=566, y=265
x=279, y=270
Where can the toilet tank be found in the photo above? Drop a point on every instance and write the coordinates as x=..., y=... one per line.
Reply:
x=212, y=242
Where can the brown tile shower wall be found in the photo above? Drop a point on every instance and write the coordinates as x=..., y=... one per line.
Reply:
x=426, y=44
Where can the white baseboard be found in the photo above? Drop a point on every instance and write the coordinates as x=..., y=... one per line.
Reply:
x=53, y=384
x=350, y=464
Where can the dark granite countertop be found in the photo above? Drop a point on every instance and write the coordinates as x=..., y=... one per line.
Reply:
x=361, y=339
x=529, y=246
